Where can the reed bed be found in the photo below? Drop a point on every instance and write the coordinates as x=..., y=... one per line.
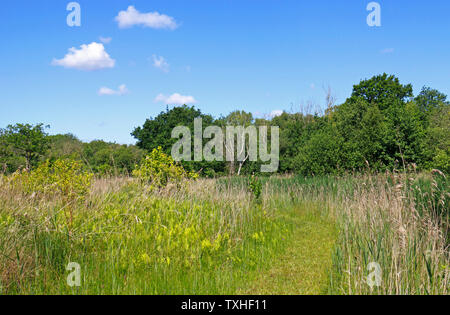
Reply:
x=213, y=237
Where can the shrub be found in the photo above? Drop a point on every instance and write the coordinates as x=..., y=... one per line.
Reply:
x=442, y=161
x=64, y=178
x=159, y=169
x=255, y=186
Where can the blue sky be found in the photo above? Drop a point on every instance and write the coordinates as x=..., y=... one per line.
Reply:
x=221, y=55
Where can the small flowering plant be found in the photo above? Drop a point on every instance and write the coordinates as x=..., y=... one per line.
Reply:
x=64, y=178
x=159, y=170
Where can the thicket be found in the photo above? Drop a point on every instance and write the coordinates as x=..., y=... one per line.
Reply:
x=380, y=127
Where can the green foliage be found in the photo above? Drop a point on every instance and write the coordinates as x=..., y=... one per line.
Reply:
x=111, y=158
x=255, y=187
x=383, y=90
x=25, y=141
x=321, y=154
x=64, y=178
x=295, y=130
x=429, y=99
x=441, y=161
x=140, y=242
x=22, y=141
x=380, y=126
x=239, y=118
x=215, y=241
x=432, y=196
x=377, y=125
x=64, y=147
x=100, y=157
x=159, y=169
x=436, y=146
x=157, y=132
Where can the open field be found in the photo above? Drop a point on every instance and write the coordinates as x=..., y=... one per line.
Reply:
x=204, y=152
x=304, y=236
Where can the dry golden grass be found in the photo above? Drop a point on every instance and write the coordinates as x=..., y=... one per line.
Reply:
x=383, y=223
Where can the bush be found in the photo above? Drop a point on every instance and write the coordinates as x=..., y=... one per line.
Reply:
x=64, y=178
x=442, y=161
x=159, y=169
x=255, y=186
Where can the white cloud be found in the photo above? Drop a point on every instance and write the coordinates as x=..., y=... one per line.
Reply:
x=107, y=91
x=88, y=57
x=276, y=113
x=387, y=51
x=175, y=99
x=258, y=114
x=105, y=40
x=160, y=63
x=273, y=114
x=312, y=86
x=132, y=17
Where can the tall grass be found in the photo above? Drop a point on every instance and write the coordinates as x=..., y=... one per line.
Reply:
x=129, y=240
x=212, y=237
x=399, y=221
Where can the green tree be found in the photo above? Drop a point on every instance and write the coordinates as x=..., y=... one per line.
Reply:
x=295, y=130
x=26, y=141
x=111, y=158
x=239, y=118
x=64, y=147
x=430, y=99
x=437, y=142
x=157, y=132
x=380, y=125
x=321, y=153
x=383, y=90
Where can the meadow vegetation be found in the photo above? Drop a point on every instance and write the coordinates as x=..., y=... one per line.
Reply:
x=365, y=182
x=216, y=236
x=130, y=238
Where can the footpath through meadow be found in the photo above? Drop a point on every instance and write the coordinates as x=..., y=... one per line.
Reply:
x=303, y=267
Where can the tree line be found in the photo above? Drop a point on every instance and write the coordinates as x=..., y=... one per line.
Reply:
x=24, y=146
x=381, y=126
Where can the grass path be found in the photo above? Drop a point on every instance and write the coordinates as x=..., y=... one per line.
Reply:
x=303, y=267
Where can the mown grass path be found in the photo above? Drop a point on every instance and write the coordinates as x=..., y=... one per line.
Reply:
x=303, y=267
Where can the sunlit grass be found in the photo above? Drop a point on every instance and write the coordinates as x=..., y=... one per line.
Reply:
x=128, y=240
x=305, y=236
x=303, y=267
